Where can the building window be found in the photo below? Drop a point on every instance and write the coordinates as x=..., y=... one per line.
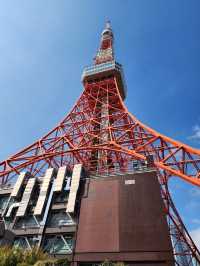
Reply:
x=59, y=218
x=3, y=202
x=61, y=197
x=26, y=222
x=58, y=244
x=26, y=242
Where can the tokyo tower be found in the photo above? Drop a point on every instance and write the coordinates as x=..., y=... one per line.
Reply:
x=105, y=174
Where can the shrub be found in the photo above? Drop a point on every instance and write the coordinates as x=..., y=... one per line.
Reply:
x=19, y=257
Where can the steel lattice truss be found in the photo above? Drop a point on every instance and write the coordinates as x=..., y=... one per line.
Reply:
x=100, y=133
x=121, y=139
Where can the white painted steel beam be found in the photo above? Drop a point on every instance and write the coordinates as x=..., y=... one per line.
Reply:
x=18, y=184
x=14, y=205
x=60, y=178
x=43, y=191
x=26, y=197
x=76, y=175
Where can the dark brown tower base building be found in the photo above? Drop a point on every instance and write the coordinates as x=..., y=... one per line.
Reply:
x=122, y=219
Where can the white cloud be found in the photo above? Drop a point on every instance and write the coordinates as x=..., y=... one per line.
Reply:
x=196, y=133
x=195, y=234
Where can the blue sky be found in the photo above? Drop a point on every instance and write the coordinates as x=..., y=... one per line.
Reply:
x=44, y=46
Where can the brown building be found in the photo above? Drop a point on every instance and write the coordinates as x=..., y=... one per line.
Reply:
x=122, y=219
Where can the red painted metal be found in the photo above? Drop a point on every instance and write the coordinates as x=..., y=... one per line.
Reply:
x=100, y=132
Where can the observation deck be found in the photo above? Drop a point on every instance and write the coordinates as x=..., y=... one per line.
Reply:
x=105, y=70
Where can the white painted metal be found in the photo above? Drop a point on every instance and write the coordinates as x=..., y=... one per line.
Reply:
x=43, y=191
x=60, y=178
x=18, y=184
x=26, y=197
x=76, y=175
x=14, y=205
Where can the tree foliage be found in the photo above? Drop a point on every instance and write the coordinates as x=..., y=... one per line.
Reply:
x=19, y=257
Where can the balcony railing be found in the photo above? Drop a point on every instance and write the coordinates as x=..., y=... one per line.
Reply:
x=104, y=67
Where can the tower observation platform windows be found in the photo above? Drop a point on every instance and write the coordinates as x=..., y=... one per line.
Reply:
x=111, y=68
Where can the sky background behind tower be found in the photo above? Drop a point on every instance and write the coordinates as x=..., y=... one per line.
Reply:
x=44, y=46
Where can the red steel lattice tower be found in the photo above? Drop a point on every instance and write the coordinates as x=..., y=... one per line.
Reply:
x=100, y=133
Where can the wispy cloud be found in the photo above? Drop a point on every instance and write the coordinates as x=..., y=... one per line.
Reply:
x=195, y=192
x=195, y=234
x=194, y=199
x=195, y=221
x=196, y=133
x=192, y=205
